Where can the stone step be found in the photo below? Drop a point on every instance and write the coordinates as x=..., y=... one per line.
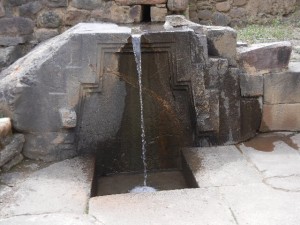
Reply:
x=62, y=187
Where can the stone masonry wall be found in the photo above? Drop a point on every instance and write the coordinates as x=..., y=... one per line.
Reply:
x=238, y=12
x=24, y=23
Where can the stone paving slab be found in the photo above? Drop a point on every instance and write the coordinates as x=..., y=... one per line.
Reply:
x=278, y=156
x=63, y=187
x=177, y=207
x=51, y=219
x=220, y=166
x=258, y=204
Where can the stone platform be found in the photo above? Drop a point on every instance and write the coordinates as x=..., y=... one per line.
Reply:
x=254, y=183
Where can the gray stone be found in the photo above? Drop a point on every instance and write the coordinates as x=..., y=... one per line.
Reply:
x=13, y=162
x=187, y=206
x=251, y=114
x=57, y=3
x=205, y=14
x=45, y=34
x=2, y=10
x=265, y=57
x=13, y=40
x=12, y=149
x=30, y=9
x=177, y=5
x=87, y=4
x=258, y=204
x=68, y=118
x=158, y=14
x=280, y=117
x=17, y=2
x=274, y=155
x=50, y=219
x=221, y=42
x=49, y=19
x=140, y=2
x=282, y=87
x=9, y=55
x=62, y=187
x=16, y=26
x=252, y=86
x=220, y=166
x=217, y=67
x=220, y=19
x=178, y=21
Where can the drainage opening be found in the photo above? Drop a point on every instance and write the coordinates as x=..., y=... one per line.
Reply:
x=146, y=13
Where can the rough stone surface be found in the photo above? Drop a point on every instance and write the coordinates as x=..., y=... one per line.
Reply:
x=86, y=4
x=68, y=118
x=252, y=86
x=139, y=2
x=2, y=10
x=9, y=54
x=282, y=87
x=251, y=114
x=57, y=3
x=49, y=19
x=15, y=161
x=280, y=117
x=13, y=148
x=13, y=40
x=16, y=26
x=177, y=5
x=45, y=34
x=50, y=219
x=222, y=42
x=5, y=127
x=62, y=187
x=265, y=57
x=158, y=14
x=187, y=206
x=30, y=9
x=75, y=16
x=220, y=19
x=223, y=6
x=220, y=166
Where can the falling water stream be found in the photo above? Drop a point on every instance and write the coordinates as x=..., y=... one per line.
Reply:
x=136, y=44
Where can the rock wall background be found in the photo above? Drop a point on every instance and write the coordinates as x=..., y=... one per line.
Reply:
x=239, y=12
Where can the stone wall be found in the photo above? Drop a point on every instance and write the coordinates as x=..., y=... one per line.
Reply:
x=24, y=23
x=238, y=12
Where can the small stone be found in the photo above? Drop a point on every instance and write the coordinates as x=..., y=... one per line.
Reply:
x=17, y=2
x=30, y=9
x=86, y=4
x=12, y=149
x=237, y=13
x=16, y=26
x=220, y=19
x=57, y=3
x=223, y=6
x=15, y=161
x=44, y=34
x=251, y=86
x=75, y=16
x=205, y=14
x=140, y=2
x=239, y=2
x=49, y=19
x=135, y=13
x=158, y=14
x=5, y=127
x=10, y=54
x=68, y=118
x=177, y=5
x=13, y=40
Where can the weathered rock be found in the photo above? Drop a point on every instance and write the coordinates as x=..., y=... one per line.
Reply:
x=2, y=10
x=87, y=4
x=57, y=3
x=13, y=40
x=13, y=162
x=68, y=118
x=251, y=113
x=9, y=54
x=140, y=2
x=49, y=19
x=5, y=127
x=223, y=6
x=75, y=16
x=177, y=5
x=251, y=86
x=158, y=14
x=221, y=42
x=44, y=34
x=217, y=67
x=12, y=149
x=239, y=2
x=280, y=117
x=237, y=13
x=17, y=2
x=30, y=9
x=16, y=26
x=282, y=87
x=265, y=58
x=220, y=19
x=205, y=14
x=178, y=21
